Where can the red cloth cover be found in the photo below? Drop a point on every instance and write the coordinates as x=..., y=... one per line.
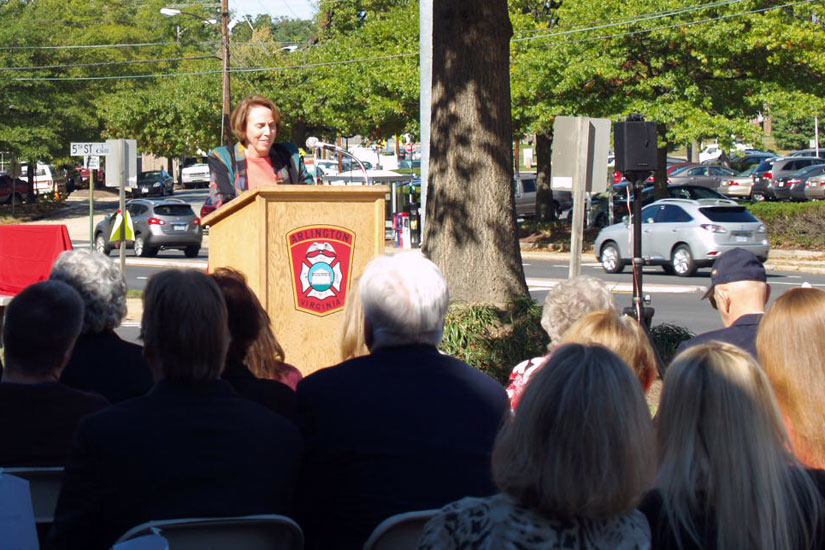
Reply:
x=27, y=253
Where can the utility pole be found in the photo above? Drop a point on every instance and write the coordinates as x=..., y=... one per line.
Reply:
x=227, y=105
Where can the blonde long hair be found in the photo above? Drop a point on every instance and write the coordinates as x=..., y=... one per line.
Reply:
x=791, y=354
x=723, y=450
x=351, y=339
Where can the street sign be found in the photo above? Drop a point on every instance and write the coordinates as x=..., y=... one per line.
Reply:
x=86, y=149
x=94, y=163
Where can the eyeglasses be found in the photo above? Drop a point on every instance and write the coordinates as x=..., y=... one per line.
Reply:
x=712, y=300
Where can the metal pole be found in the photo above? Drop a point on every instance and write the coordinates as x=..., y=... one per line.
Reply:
x=816, y=134
x=579, y=184
x=92, y=209
x=226, y=132
x=425, y=83
x=124, y=159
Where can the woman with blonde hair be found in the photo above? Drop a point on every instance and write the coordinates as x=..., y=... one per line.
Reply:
x=572, y=464
x=622, y=335
x=351, y=330
x=789, y=351
x=727, y=479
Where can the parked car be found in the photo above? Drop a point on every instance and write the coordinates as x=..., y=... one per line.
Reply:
x=741, y=163
x=600, y=215
x=316, y=172
x=741, y=186
x=195, y=175
x=21, y=189
x=793, y=185
x=682, y=235
x=525, y=191
x=706, y=176
x=207, y=207
x=815, y=188
x=809, y=153
x=158, y=224
x=47, y=179
x=155, y=182
x=763, y=185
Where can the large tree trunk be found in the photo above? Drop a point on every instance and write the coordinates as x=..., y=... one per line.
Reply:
x=545, y=209
x=471, y=223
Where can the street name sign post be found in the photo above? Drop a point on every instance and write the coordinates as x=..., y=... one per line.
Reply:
x=91, y=150
x=86, y=149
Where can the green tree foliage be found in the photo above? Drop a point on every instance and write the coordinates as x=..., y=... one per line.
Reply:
x=794, y=133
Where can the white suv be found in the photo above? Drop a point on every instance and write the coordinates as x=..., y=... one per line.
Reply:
x=195, y=175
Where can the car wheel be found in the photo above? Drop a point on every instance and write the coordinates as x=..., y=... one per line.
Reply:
x=191, y=251
x=101, y=245
x=142, y=250
x=611, y=259
x=682, y=261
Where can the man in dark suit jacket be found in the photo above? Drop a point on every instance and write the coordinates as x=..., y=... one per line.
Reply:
x=191, y=446
x=38, y=415
x=404, y=428
x=739, y=292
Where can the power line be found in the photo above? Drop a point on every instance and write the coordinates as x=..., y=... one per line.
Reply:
x=100, y=46
x=106, y=63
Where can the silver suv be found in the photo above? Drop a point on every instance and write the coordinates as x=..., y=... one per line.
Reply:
x=682, y=235
x=158, y=224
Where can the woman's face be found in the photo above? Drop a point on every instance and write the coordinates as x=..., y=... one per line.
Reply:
x=260, y=131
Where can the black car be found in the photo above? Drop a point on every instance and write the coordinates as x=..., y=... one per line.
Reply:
x=600, y=216
x=155, y=182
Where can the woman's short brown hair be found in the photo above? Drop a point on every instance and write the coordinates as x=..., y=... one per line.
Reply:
x=244, y=319
x=581, y=444
x=237, y=121
x=184, y=327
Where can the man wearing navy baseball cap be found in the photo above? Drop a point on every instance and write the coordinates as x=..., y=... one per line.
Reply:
x=739, y=291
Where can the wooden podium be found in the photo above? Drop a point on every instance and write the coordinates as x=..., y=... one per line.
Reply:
x=300, y=247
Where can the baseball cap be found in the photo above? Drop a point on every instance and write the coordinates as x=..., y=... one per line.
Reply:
x=737, y=264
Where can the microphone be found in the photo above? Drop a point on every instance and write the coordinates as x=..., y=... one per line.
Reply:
x=313, y=143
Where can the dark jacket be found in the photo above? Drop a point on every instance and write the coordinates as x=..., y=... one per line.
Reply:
x=401, y=429
x=227, y=168
x=741, y=333
x=272, y=394
x=37, y=422
x=106, y=364
x=179, y=451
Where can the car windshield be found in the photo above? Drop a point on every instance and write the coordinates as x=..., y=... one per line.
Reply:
x=765, y=165
x=149, y=176
x=694, y=192
x=751, y=169
x=807, y=171
x=173, y=210
x=738, y=214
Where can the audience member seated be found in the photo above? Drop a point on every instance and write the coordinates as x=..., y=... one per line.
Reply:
x=739, y=292
x=101, y=361
x=403, y=428
x=789, y=344
x=351, y=330
x=726, y=476
x=38, y=414
x=622, y=335
x=245, y=324
x=566, y=303
x=191, y=447
x=571, y=466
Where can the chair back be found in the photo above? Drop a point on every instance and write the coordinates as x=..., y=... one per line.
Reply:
x=260, y=532
x=399, y=532
x=44, y=484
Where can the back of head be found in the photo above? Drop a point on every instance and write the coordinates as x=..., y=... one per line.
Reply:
x=581, y=443
x=789, y=351
x=184, y=326
x=723, y=447
x=99, y=282
x=405, y=299
x=570, y=300
x=243, y=311
x=351, y=328
x=41, y=325
x=622, y=335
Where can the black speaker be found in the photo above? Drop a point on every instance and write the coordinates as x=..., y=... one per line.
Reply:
x=634, y=142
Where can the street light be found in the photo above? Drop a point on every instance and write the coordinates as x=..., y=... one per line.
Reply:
x=226, y=133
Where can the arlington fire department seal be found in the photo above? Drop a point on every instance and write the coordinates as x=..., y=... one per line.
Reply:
x=320, y=258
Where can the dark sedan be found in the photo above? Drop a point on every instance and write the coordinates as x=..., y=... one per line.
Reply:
x=155, y=182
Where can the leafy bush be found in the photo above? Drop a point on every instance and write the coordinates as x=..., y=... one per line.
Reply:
x=494, y=339
x=793, y=225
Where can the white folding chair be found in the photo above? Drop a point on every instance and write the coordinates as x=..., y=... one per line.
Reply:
x=399, y=532
x=260, y=532
x=44, y=484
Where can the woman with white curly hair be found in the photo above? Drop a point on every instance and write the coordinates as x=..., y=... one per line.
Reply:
x=566, y=303
x=101, y=361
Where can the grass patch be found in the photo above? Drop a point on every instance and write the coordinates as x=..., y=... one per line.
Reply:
x=131, y=293
x=553, y=236
x=23, y=213
x=793, y=225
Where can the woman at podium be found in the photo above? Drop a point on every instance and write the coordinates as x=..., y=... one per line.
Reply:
x=256, y=160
